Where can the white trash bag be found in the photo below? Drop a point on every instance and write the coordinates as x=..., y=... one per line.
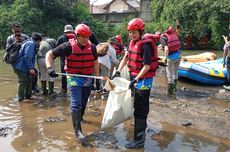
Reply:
x=119, y=107
x=125, y=72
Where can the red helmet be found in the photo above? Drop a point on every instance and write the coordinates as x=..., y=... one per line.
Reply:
x=136, y=24
x=83, y=30
x=170, y=30
x=158, y=33
x=118, y=39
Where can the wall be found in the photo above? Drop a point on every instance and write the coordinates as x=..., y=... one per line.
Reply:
x=146, y=11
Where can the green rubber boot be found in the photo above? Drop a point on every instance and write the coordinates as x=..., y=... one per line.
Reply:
x=51, y=88
x=170, y=88
x=44, y=89
x=175, y=84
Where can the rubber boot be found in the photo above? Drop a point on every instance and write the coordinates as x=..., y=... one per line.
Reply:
x=44, y=90
x=175, y=84
x=51, y=88
x=76, y=119
x=139, y=134
x=170, y=88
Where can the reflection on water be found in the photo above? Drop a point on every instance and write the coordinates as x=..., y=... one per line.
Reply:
x=46, y=126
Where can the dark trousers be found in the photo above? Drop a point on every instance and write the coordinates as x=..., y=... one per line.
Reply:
x=24, y=84
x=63, y=78
x=141, y=103
x=35, y=80
x=78, y=97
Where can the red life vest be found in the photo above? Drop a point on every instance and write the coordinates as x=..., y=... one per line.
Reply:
x=117, y=49
x=71, y=36
x=80, y=61
x=173, y=42
x=154, y=37
x=135, y=59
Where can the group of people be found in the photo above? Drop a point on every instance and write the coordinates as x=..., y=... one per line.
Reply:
x=81, y=56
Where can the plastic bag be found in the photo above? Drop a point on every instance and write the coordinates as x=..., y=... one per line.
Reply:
x=119, y=107
x=125, y=72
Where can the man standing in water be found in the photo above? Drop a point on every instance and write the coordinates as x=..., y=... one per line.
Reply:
x=68, y=34
x=81, y=58
x=24, y=67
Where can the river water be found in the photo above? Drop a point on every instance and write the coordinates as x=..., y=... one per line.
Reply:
x=45, y=126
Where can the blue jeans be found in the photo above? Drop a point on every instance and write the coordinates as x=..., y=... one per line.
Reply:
x=78, y=97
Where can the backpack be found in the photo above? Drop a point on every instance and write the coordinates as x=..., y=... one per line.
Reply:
x=12, y=53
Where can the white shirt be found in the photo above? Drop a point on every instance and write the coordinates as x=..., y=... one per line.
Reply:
x=108, y=59
x=112, y=55
x=104, y=60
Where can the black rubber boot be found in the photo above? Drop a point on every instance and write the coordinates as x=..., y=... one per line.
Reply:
x=44, y=89
x=76, y=119
x=139, y=134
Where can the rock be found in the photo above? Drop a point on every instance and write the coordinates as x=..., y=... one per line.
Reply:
x=55, y=119
x=187, y=123
x=182, y=88
x=226, y=110
x=222, y=91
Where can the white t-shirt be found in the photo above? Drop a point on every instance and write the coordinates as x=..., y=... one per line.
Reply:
x=104, y=60
x=108, y=59
x=112, y=55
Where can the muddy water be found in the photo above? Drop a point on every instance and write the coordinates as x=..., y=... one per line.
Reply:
x=45, y=125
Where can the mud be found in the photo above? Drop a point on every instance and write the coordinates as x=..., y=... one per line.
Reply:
x=205, y=109
x=196, y=118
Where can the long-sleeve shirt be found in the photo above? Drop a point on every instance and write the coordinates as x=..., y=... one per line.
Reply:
x=27, y=55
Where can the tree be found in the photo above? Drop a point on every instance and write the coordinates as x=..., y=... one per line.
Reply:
x=200, y=17
x=46, y=17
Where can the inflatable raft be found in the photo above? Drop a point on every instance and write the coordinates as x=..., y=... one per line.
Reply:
x=210, y=73
x=202, y=57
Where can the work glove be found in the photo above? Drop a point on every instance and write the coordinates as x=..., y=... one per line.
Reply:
x=117, y=74
x=131, y=84
x=51, y=72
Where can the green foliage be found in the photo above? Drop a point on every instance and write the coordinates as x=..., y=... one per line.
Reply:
x=49, y=17
x=46, y=17
x=207, y=17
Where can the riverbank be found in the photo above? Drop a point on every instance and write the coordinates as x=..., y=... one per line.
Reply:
x=207, y=110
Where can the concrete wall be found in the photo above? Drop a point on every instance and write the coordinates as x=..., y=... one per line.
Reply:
x=146, y=11
x=115, y=17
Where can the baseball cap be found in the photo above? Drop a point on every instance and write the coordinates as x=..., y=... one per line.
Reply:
x=68, y=28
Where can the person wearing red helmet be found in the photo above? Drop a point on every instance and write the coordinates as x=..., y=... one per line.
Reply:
x=80, y=58
x=171, y=47
x=142, y=62
x=118, y=39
